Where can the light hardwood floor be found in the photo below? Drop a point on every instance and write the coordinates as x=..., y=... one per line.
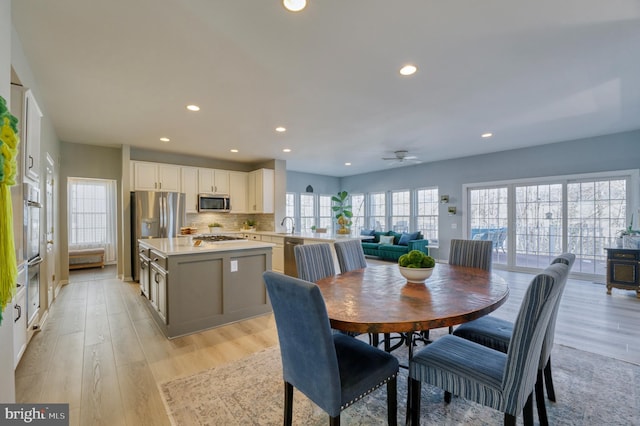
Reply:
x=101, y=352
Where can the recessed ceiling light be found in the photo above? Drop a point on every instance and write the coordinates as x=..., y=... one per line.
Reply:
x=286, y=150
x=347, y=164
x=234, y=150
x=294, y=5
x=408, y=69
x=487, y=135
x=193, y=107
x=165, y=139
x=281, y=129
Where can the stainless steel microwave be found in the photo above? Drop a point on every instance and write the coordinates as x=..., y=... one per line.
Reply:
x=213, y=203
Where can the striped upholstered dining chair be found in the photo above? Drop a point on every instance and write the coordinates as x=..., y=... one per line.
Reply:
x=496, y=333
x=471, y=253
x=350, y=255
x=503, y=381
x=314, y=261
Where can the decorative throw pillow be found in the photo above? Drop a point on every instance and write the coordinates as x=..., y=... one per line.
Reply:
x=396, y=236
x=386, y=240
x=405, y=238
x=377, y=235
x=367, y=232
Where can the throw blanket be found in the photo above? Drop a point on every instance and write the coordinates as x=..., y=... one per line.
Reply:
x=8, y=152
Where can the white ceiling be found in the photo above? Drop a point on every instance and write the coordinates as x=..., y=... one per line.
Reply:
x=532, y=72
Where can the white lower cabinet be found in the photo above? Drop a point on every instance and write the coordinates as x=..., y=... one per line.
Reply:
x=158, y=284
x=19, y=325
x=277, y=255
x=277, y=252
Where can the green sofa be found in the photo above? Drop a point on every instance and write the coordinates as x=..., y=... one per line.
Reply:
x=402, y=243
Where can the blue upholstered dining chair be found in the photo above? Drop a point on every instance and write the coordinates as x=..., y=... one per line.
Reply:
x=496, y=333
x=333, y=370
x=350, y=255
x=503, y=381
x=314, y=261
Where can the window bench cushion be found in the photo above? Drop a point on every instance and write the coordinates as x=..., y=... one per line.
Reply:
x=86, y=258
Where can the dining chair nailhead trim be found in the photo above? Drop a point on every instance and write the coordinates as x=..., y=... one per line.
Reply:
x=358, y=398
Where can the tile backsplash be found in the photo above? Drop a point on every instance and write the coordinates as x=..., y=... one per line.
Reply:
x=229, y=221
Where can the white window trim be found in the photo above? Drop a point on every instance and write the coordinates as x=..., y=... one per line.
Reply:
x=633, y=205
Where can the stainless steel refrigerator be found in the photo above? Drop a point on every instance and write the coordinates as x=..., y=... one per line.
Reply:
x=154, y=214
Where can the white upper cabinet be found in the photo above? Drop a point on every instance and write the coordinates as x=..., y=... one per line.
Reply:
x=189, y=185
x=261, y=191
x=26, y=110
x=213, y=181
x=156, y=176
x=238, y=191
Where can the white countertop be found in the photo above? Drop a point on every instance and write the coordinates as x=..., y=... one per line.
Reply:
x=184, y=245
x=329, y=238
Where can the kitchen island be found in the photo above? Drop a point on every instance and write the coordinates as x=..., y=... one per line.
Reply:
x=283, y=252
x=190, y=288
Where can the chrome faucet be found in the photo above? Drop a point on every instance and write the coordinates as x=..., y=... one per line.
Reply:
x=293, y=223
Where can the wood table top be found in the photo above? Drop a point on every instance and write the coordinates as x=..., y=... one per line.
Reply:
x=377, y=299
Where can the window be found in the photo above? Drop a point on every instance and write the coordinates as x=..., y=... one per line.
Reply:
x=92, y=215
x=538, y=224
x=325, y=214
x=307, y=211
x=357, y=221
x=400, y=210
x=290, y=205
x=596, y=210
x=576, y=214
x=427, y=204
x=488, y=211
x=378, y=211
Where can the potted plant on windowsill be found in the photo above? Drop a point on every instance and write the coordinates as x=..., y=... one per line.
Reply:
x=342, y=210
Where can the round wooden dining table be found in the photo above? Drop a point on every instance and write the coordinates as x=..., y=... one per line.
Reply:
x=377, y=299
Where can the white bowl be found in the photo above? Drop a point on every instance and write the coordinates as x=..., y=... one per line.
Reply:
x=415, y=275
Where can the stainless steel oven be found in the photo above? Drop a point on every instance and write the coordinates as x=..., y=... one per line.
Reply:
x=33, y=209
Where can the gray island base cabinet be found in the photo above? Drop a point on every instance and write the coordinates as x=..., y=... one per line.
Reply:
x=209, y=288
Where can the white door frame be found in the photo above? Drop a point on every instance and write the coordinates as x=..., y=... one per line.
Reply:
x=50, y=235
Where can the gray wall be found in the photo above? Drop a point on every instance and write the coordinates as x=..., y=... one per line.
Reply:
x=619, y=151
x=86, y=161
x=298, y=182
x=49, y=144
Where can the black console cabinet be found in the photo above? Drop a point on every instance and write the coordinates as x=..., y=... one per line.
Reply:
x=623, y=269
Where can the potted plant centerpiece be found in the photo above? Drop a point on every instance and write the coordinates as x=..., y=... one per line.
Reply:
x=343, y=212
x=416, y=266
x=249, y=225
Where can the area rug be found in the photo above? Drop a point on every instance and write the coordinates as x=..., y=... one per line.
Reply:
x=590, y=389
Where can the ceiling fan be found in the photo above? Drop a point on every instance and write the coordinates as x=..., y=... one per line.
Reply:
x=402, y=157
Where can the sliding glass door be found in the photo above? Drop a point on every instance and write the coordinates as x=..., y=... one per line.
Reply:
x=596, y=211
x=530, y=223
x=538, y=224
x=488, y=219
